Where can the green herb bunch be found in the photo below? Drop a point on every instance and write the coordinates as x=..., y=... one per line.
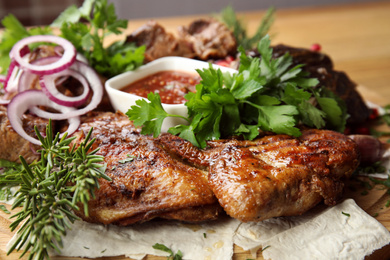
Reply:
x=266, y=94
x=50, y=190
x=88, y=37
x=229, y=18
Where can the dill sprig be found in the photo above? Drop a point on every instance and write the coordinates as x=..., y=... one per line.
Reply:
x=228, y=16
x=51, y=189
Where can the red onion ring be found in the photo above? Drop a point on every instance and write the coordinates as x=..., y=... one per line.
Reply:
x=96, y=87
x=10, y=75
x=28, y=99
x=64, y=62
x=48, y=85
x=2, y=100
x=26, y=78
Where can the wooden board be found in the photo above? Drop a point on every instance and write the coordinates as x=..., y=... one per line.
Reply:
x=358, y=40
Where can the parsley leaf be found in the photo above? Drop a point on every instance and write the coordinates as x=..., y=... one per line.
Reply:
x=172, y=256
x=88, y=38
x=266, y=94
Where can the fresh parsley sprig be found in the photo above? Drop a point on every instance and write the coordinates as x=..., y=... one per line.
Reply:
x=50, y=190
x=266, y=94
x=89, y=37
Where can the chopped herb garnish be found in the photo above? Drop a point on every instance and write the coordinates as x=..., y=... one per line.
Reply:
x=129, y=158
x=375, y=215
x=46, y=199
x=86, y=247
x=264, y=248
x=345, y=214
x=387, y=204
x=204, y=235
x=172, y=256
x=266, y=94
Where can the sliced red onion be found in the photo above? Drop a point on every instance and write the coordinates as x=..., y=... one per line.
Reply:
x=48, y=84
x=28, y=99
x=96, y=87
x=27, y=78
x=64, y=62
x=10, y=74
x=3, y=101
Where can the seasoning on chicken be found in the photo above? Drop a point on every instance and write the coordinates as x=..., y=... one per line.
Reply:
x=275, y=175
x=147, y=182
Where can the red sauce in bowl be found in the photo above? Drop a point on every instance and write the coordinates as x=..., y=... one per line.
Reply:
x=171, y=85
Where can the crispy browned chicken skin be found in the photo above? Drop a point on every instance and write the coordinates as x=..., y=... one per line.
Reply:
x=167, y=177
x=276, y=175
x=147, y=182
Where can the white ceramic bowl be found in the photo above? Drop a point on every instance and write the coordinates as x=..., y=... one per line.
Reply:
x=122, y=101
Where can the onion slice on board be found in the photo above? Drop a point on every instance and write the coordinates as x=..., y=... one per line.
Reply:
x=66, y=60
x=28, y=99
x=97, y=94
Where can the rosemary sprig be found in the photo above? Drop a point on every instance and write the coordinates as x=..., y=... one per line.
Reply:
x=51, y=190
x=228, y=16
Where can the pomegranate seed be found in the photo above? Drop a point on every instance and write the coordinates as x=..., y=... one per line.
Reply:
x=223, y=63
x=229, y=59
x=363, y=130
x=374, y=114
x=315, y=47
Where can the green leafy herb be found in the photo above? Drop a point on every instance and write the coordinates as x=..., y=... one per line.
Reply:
x=4, y=209
x=8, y=179
x=129, y=158
x=265, y=248
x=12, y=33
x=266, y=94
x=345, y=214
x=172, y=256
x=50, y=190
x=88, y=38
x=229, y=17
x=385, y=183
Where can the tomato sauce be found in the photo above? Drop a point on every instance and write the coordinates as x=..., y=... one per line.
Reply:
x=171, y=85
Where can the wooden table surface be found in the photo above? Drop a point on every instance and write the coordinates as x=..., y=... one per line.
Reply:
x=356, y=36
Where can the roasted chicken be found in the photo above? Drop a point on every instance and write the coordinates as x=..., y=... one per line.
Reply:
x=275, y=175
x=147, y=182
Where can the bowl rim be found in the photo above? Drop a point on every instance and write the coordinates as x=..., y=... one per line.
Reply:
x=114, y=84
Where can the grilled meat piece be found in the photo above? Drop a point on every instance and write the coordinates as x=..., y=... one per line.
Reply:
x=210, y=39
x=147, y=182
x=275, y=175
x=159, y=43
x=12, y=145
